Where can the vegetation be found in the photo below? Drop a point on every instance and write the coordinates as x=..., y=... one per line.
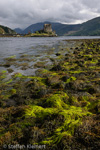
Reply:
x=6, y=30
x=59, y=107
x=91, y=27
x=37, y=34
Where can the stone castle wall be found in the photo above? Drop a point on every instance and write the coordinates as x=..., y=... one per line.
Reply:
x=47, y=28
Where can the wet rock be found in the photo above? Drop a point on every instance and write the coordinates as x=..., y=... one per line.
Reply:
x=10, y=70
x=37, y=88
x=52, y=80
x=58, y=54
x=7, y=65
x=39, y=65
x=80, y=85
x=64, y=78
x=57, y=68
x=76, y=48
x=88, y=132
x=67, y=55
x=75, y=52
x=10, y=103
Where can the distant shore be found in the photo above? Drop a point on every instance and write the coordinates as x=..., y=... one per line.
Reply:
x=29, y=35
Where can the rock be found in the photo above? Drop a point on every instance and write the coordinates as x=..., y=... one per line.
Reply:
x=64, y=78
x=10, y=70
x=57, y=68
x=58, y=54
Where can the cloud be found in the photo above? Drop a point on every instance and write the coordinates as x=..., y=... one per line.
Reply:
x=22, y=13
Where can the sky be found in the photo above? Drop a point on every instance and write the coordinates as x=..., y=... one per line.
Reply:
x=22, y=13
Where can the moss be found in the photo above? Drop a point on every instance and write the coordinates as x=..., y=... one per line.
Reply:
x=24, y=55
x=17, y=75
x=57, y=100
x=24, y=64
x=3, y=74
x=11, y=58
x=10, y=70
x=92, y=67
x=39, y=65
x=56, y=105
x=73, y=100
x=9, y=81
x=76, y=71
x=88, y=56
x=39, y=80
x=94, y=106
x=73, y=118
x=39, y=112
x=13, y=91
x=68, y=66
x=72, y=78
x=84, y=101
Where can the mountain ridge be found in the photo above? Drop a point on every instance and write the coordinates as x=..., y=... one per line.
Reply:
x=60, y=28
x=90, y=27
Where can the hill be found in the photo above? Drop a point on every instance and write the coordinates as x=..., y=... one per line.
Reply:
x=91, y=27
x=6, y=30
x=18, y=30
x=59, y=28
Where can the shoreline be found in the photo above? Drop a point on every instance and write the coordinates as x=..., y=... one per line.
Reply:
x=58, y=107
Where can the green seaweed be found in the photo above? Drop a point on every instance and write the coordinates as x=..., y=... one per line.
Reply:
x=72, y=78
x=56, y=105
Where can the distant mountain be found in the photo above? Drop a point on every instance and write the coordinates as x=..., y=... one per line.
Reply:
x=38, y=26
x=6, y=30
x=18, y=30
x=60, y=29
x=91, y=27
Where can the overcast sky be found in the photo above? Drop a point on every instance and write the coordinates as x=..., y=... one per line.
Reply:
x=22, y=13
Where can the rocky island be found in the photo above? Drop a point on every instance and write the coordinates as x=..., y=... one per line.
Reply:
x=45, y=32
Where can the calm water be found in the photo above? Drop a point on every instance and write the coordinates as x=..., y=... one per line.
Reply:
x=32, y=45
x=16, y=46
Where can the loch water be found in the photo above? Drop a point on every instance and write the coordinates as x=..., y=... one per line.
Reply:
x=37, y=47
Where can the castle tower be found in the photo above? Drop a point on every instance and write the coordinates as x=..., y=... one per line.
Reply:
x=47, y=28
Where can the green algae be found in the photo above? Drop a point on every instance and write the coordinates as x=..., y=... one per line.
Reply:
x=17, y=75
x=94, y=106
x=3, y=74
x=72, y=78
x=76, y=71
x=57, y=100
x=13, y=91
x=53, y=115
x=55, y=105
x=11, y=58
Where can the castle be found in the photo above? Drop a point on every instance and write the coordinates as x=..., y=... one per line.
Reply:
x=48, y=30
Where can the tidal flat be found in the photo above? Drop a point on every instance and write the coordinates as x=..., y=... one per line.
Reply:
x=56, y=104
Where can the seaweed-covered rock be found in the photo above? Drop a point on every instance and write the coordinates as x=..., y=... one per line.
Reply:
x=88, y=134
x=57, y=68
